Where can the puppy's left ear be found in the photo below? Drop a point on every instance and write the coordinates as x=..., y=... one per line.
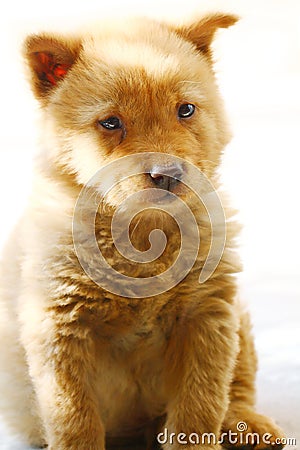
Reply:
x=49, y=59
x=201, y=33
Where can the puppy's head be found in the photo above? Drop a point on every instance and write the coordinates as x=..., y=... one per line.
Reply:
x=143, y=87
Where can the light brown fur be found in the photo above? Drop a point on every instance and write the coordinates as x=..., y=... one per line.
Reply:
x=85, y=364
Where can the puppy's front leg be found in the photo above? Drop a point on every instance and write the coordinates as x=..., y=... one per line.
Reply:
x=199, y=368
x=61, y=361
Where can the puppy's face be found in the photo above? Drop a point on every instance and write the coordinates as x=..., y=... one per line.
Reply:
x=147, y=87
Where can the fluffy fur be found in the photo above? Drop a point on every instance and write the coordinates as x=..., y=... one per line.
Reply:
x=80, y=365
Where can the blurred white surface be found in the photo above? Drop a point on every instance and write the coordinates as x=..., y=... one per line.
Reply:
x=258, y=62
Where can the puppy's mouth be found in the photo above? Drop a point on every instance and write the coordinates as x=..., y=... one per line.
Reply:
x=160, y=196
x=171, y=191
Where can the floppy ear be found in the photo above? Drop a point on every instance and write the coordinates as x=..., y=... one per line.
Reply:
x=201, y=33
x=49, y=59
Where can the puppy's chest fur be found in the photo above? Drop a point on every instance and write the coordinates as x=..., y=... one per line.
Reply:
x=131, y=336
x=77, y=299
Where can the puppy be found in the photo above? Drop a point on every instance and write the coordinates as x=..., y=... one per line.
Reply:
x=90, y=363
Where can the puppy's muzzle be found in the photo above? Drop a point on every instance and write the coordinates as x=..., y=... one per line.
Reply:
x=166, y=177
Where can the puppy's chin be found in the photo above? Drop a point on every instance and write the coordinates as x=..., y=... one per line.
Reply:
x=139, y=198
x=143, y=223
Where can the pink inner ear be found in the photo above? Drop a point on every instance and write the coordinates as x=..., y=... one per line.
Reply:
x=48, y=69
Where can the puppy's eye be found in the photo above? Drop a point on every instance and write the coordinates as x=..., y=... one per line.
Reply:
x=186, y=110
x=112, y=123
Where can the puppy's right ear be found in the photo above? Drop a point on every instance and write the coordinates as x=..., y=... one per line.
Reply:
x=202, y=32
x=49, y=59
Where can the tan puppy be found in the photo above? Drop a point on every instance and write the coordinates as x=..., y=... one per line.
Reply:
x=85, y=368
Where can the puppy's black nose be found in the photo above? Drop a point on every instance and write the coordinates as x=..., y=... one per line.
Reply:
x=166, y=177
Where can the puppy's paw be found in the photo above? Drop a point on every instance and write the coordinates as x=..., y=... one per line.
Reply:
x=251, y=430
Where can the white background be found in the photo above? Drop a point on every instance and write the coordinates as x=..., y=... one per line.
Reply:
x=258, y=62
